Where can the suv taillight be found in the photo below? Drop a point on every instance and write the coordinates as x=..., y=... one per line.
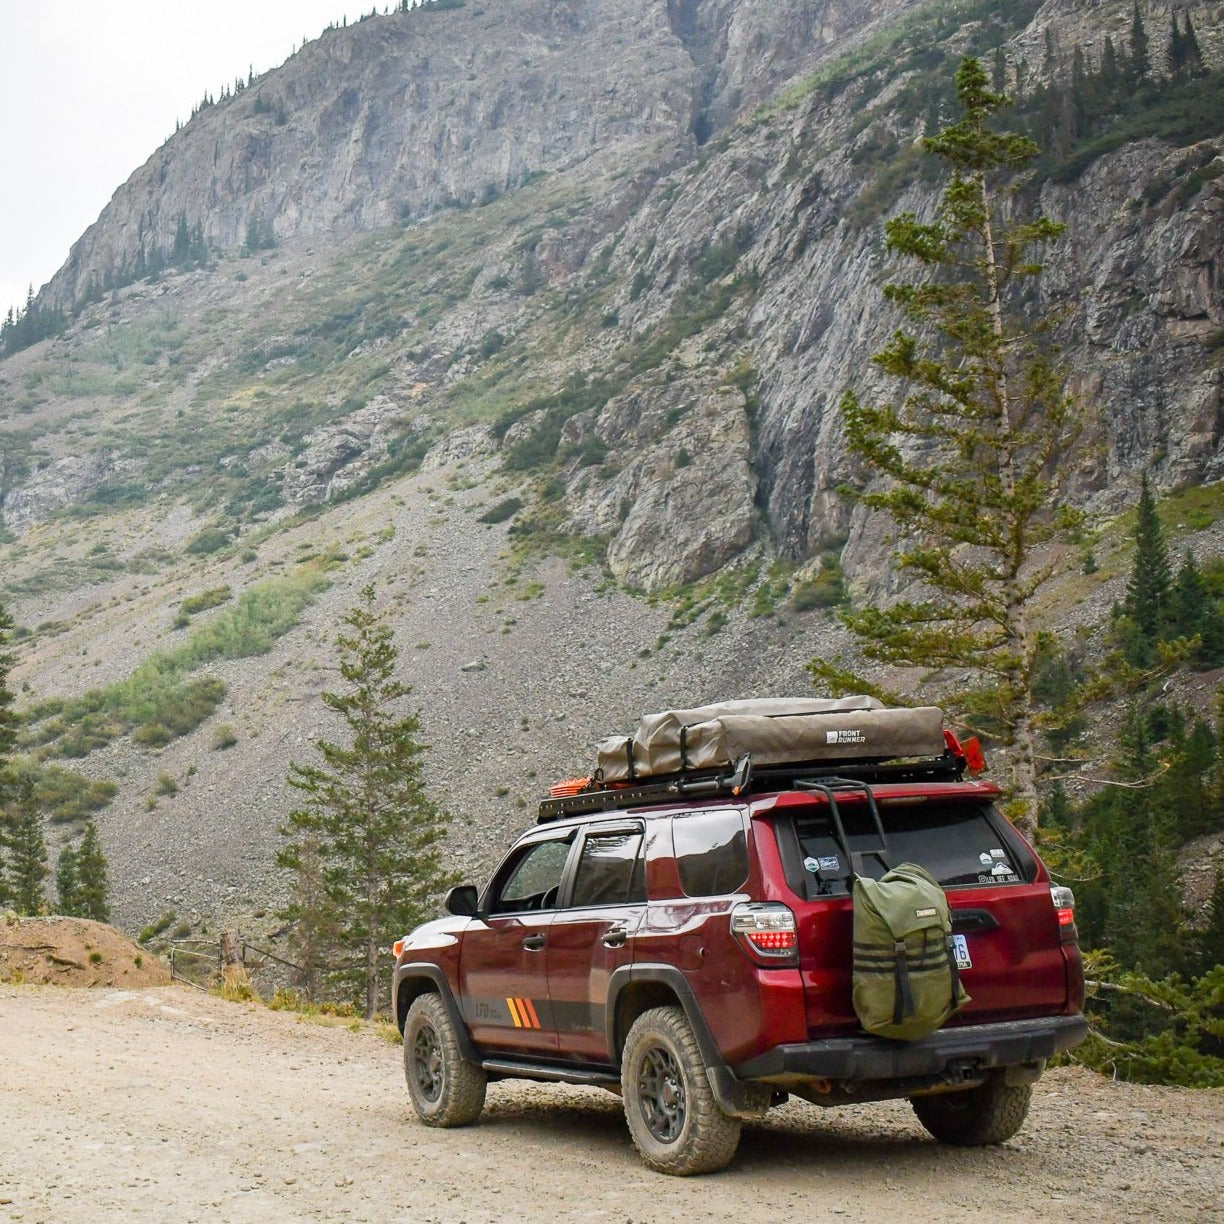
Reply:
x=767, y=932
x=1064, y=907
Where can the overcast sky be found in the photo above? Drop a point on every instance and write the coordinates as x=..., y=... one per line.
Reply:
x=90, y=88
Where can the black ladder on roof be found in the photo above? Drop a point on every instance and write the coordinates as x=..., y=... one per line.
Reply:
x=828, y=787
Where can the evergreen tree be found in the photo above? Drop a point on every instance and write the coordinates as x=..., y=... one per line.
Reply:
x=1211, y=937
x=365, y=811
x=27, y=851
x=8, y=719
x=1192, y=55
x=1139, y=63
x=998, y=72
x=1177, y=52
x=68, y=883
x=8, y=736
x=1195, y=613
x=1111, y=69
x=317, y=938
x=971, y=456
x=93, y=899
x=1147, y=592
x=181, y=252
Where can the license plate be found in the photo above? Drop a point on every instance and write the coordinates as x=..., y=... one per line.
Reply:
x=960, y=949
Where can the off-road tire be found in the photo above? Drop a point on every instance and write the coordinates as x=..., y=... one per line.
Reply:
x=444, y=1089
x=990, y=1113
x=672, y=1114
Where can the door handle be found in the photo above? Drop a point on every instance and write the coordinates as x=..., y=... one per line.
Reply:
x=533, y=943
x=614, y=937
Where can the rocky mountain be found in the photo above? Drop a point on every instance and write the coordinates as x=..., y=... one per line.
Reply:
x=523, y=311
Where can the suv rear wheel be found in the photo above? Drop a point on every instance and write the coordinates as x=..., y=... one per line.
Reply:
x=989, y=1113
x=444, y=1089
x=674, y=1120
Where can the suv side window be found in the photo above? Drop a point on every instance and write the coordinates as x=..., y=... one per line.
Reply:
x=534, y=879
x=711, y=852
x=610, y=869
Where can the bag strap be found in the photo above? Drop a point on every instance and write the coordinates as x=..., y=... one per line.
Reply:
x=903, y=991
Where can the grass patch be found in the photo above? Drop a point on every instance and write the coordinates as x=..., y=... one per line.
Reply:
x=212, y=598
x=66, y=796
x=162, y=700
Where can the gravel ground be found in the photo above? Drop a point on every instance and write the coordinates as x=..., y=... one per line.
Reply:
x=167, y=1104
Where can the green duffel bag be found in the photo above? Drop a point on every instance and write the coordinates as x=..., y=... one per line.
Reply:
x=905, y=980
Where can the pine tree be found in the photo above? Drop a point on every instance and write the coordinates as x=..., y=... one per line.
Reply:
x=1192, y=55
x=8, y=719
x=365, y=809
x=1139, y=63
x=971, y=456
x=93, y=899
x=1111, y=70
x=998, y=72
x=316, y=928
x=8, y=737
x=1195, y=613
x=68, y=883
x=1147, y=592
x=1211, y=937
x=1177, y=47
x=27, y=851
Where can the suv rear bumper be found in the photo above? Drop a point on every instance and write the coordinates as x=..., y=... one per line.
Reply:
x=951, y=1051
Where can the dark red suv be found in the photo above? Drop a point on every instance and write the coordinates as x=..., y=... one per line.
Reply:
x=687, y=944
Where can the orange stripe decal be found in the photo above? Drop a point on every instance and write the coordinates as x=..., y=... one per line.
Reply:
x=514, y=1013
x=529, y=1010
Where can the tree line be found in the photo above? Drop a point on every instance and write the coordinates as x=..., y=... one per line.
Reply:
x=81, y=874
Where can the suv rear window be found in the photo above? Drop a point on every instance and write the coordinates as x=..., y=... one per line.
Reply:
x=711, y=852
x=960, y=844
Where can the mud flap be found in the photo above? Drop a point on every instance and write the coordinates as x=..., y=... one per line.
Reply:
x=735, y=1098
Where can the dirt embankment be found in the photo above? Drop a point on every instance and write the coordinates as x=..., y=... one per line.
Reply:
x=74, y=952
x=168, y=1104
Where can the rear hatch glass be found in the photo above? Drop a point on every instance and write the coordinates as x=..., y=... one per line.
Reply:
x=960, y=844
x=1003, y=919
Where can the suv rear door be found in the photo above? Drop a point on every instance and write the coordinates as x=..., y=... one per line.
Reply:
x=998, y=892
x=592, y=935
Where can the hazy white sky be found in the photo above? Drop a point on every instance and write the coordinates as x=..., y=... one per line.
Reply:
x=90, y=88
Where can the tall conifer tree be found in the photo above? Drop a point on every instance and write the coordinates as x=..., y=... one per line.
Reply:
x=93, y=886
x=365, y=814
x=1147, y=591
x=971, y=458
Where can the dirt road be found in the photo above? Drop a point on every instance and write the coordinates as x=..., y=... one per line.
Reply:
x=165, y=1104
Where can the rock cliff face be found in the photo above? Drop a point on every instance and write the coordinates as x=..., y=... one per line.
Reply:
x=733, y=249
x=397, y=116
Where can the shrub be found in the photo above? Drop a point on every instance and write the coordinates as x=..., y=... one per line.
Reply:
x=209, y=541
x=502, y=511
x=205, y=599
x=826, y=589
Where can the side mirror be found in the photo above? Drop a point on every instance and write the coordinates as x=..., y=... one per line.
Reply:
x=461, y=900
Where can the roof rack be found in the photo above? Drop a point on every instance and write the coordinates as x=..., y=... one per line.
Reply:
x=598, y=796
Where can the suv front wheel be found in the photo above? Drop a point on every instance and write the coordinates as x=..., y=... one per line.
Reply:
x=445, y=1090
x=674, y=1120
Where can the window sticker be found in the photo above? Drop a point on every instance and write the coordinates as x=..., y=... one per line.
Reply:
x=830, y=863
